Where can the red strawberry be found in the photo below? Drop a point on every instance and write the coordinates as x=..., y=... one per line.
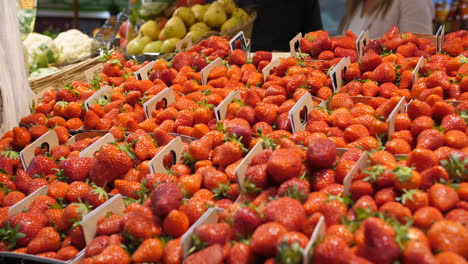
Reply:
x=263, y=241
x=384, y=73
x=76, y=169
x=46, y=240
x=246, y=220
x=112, y=254
x=283, y=165
x=217, y=233
x=42, y=166
x=111, y=162
x=182, y=59
x=321, y=153
x=165, y=198
x=237, y=57
x=149, y=251
x=209, y=255
x=286, y=211
x=333, y=249
x=97, y=246
x=261, y=56
x=30, y=224
x=65, y=95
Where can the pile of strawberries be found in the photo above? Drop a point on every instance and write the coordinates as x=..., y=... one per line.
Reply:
x=378, y=175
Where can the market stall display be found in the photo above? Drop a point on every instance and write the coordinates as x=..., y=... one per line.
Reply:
x=328, y=156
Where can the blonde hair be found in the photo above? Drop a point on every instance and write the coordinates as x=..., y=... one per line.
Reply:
x=378, y=6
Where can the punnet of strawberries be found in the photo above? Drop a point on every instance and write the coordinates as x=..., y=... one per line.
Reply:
x=377, y=174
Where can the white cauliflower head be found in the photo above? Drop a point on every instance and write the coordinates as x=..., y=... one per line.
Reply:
x=42, y=50
x=73, y=45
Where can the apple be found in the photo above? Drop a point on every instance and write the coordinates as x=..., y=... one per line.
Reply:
x=124, y=28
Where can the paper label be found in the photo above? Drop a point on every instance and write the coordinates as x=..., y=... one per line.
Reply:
x=221, y=109
x=185, y=43
x=337, y=74
x=292, y=44
x=240, y=36
x=49, y=139
x=167, y=95
x=175, y=147
x=206, y=71
x=105, y=91
x=96, y=146
x=295, y=113
x=142, y=73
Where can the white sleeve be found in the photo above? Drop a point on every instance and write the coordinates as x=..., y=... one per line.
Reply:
x=416, y=16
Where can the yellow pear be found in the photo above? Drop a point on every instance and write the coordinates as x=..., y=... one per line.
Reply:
x=200, y=26
x=230, y=23
x=240, y=13
x=174, y=28
x=137, y=45
x=153, y=47
x=215, y=15
x=169, y=45
x=199, y=11
x=228, y=5
x=186, y=14
x=151, y=29
x=131, y=33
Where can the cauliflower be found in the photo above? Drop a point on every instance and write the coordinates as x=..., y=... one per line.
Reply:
x=73, y=45
x=42, y=51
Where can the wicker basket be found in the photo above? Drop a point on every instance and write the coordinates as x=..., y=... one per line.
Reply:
x=67, y=74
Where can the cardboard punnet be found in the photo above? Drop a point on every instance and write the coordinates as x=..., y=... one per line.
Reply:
x=267, y=70
x=91, y=72
x=243, y=40
x=319, y=232
x=292, y=44
x=105, y=91
x=306, y=102
x=86, y=134
x=142, y=73
x=361, y=42
x=209, y=217
x=115, y=205
x=358, y=167
x=184, y=43
x=440, y=38
x=206, y=71
x=221, y=109
x=418, y=67
x=337, y=74
x=27, y=201
x=399, y=108
x=167, y=95
x=175, y=147
x=242, y=167
x=96, y=146
x=49, y=139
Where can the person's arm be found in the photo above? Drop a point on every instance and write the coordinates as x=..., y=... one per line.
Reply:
x=312, y=18
x=416, y=16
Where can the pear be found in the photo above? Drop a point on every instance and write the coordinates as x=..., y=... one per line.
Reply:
x=199, y=11
x=137, y=45
x=174, y=28
x=153, y=47
x=215, y=15
x=228, y=5
x=200, y=26
x=230, y=23
x=151, y=29
x=169, y=45
x=240, y=13
x=196, y=35
x=186, y=14
x=131, y=33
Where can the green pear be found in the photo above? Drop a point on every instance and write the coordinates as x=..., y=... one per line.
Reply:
x=199, y=11
x=228, y=5
x=151, y=29
x=230, y=23
x=196, y=35
x=200, y=26
x=215, y=15
x=174, y=28
x=240, y=13
x=186, y=14
x=153, y=47
x=169, y=45
x=137, y=45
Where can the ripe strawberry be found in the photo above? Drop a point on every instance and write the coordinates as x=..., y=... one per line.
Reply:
x=333, y=210
x=111, y=162
x=284, y=164
x=138, y=223
x=421, y=124
x=77, y=190
x=322, y=178
x=341, y=100
x=263, y=241
x=227, y=153
x=21, y=136
x=426, y=216
x=97, y=246
x=237, y=57
x=261, y=56
x=76, y=169
x=453, y=122
x=150, y=250
x=112, y=254
x=442, y=197
x=446, y=235
x=95, y=196
x=286, y=211
x=165, y=198
x=418, y=108
x=46, y=240
x=321, y=153
x=12, y=198
x=65, y=94
x=216, y=233
x=42, y=166
x=30, y=224
x=430, y=139
x=110, y=225
x=212, y=254
x=422, y=159
x=334, y=249
x=294, y=188
x=383, y=73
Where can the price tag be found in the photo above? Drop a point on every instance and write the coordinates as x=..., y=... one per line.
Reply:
x=142, y=73
x=336, y=75
x=243, y=41
x=105, y=91
x=361, y=42
x=206, y=71
x=221, y=109
x=167, y=95
x=292, y=44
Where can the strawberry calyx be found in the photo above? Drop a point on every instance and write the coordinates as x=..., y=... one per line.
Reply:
x=456, y=168
x=346, y=200
x=233, y=138
x=221, y=191
x=220, y=126
x=295, y=192
x=403, y=173
x=100, y=192
x=250, y=187
x=11, y=235
x=143, y=193
x=4, y=188
x=197, y=244
x=11, y=154
x=407, y=195
x=289, y=253
x=374, y=173
x=463, y=59
x=205, y=104
x=126, y=148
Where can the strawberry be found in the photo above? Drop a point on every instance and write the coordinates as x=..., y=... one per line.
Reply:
x=305, y=46
x=111, y=162
x=237, y=57
x=138, y=223
x=286, y=211
x=216, y=233
x=182, y=59
x=12, y=198
x=77, y=190
x=21, y=136
x=284, y=164
x=76, y=169
x=110, y=225
x=128, y=188
x=334, y=249
x=227, y=153
x=29, y=224
x=321, y=153
x=240, y=253
x=343, y=52
x=97, y=246
x=42, y=203
x=210, y=255
x=112, y=254
x=165, y=198
x=418, y=108
x=42, y=166
x=150, y=250
x=430, y=139
x=446, y=235
x=263, y=241
x=37, y=131
x=46, y=240
x=294, y=188
x=442, y=197
x=383, y=73
x=333, y=210
x=422, y=159
x=245, y=221
x=341, y=100
x=453, y=122
x=421, y=124
x=95, y=196
x=65, y=94
x=261, y=56
x=176, y=223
